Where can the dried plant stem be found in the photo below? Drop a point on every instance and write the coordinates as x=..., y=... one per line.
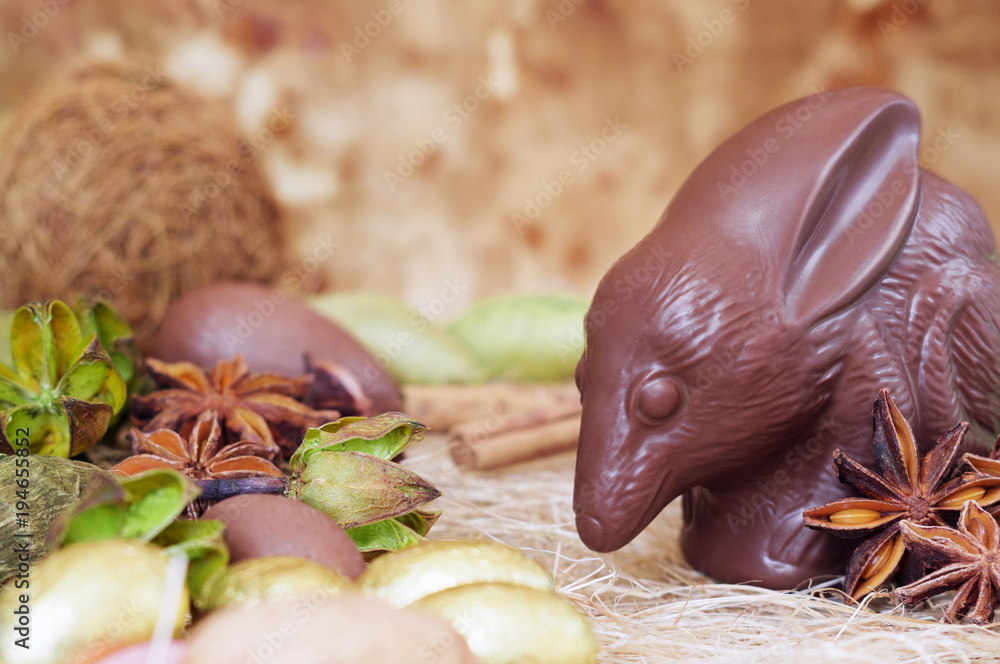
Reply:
x=215, y=490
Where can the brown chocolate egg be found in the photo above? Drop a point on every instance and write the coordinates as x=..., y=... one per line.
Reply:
x=270, y=525
x=271, y=329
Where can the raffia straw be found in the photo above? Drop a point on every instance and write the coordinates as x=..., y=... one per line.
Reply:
x=647, y=605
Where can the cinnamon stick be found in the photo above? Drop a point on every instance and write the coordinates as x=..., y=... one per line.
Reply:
x=442, y=406
x=496, y=423
x=489, y=452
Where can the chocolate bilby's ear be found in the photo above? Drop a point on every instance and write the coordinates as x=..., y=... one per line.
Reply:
x=823, y=190
x=862, y=205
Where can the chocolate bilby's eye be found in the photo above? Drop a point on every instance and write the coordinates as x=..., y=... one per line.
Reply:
x=656, y=399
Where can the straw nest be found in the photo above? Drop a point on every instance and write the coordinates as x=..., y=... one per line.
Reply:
x=647, y=605
x=116, y=181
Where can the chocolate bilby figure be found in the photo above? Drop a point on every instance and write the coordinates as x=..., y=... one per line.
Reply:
x=805, y=264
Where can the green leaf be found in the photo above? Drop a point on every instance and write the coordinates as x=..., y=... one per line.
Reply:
x=94, y=378
x=101, y=522
x=156, y=497
x=85, y=379
x=419, y=521
x=12, y=393
x=383, y=436
x=354, y=488
x=142, y=507
x=67, y=341
x=388, y=535
x=98, y=515
x=6, y=319
x=49, y=432
x=9, y=374
x=27, y=346
x=115, y=334
x=202, y=542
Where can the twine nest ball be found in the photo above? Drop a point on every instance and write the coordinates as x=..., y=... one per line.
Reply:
x=118, y=182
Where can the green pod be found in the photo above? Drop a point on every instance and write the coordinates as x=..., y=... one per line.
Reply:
x=356, y=489
x=63, y=388
x=412, y=348
x=530, y=338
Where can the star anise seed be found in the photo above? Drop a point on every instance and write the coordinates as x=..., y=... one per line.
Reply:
x=904, y=488
x=265, y=408
x=966, y=559
x=987, y=467
x=201, y=455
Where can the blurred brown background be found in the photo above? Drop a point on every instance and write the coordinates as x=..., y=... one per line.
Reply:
x=475, y=148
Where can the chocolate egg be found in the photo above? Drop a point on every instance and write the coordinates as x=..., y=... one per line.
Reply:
x=320, y=628
x=271, y=329
x=270, y=525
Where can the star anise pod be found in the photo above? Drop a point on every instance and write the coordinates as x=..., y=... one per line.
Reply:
x=264, y=408
x=904, y=488
x=200, y=455
x=967, y=559
x=333, y=387
x=987, y=467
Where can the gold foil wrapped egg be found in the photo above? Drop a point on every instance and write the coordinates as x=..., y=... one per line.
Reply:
x=255, y=580
x=402, y=577
x=505, y=624
x=84, y=600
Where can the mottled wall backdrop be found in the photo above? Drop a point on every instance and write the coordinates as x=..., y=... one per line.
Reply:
x=429, y=148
